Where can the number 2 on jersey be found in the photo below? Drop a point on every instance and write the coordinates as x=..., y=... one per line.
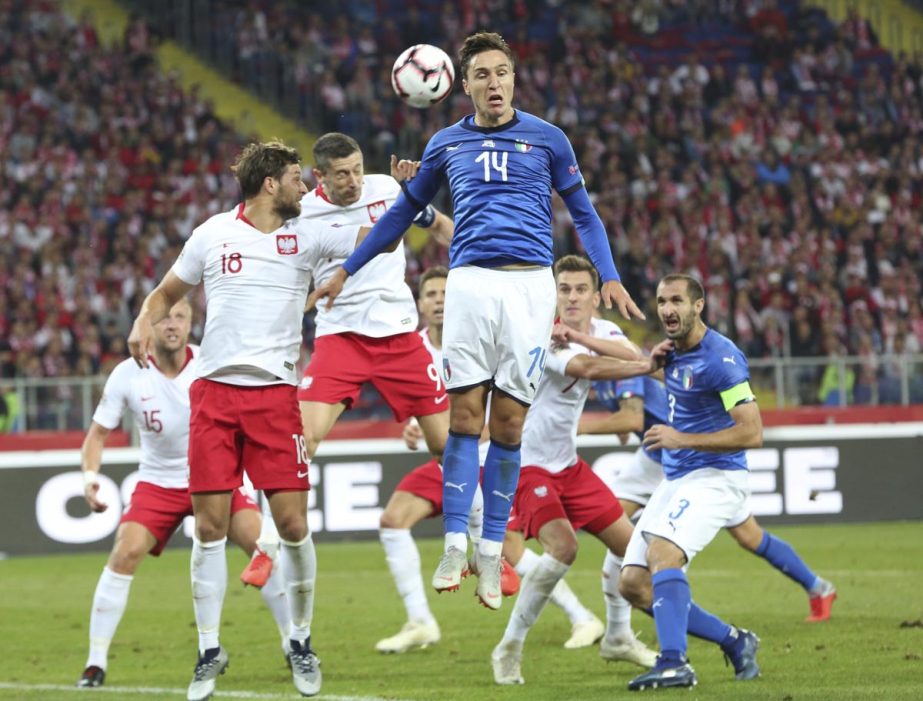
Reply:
x=495, y=159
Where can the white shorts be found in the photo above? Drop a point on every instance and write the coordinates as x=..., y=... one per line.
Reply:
x=689, y=512
x=638, y=479
x=497, y=327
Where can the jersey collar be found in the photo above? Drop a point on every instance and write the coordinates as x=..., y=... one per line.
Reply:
x=243, y=217
x=468, y=123
x=186, y=362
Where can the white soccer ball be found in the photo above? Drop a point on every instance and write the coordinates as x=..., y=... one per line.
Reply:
x=423, y=75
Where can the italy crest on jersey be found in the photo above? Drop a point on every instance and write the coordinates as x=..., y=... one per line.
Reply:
x=286, y=244
x=523, y=146
x=688, y=379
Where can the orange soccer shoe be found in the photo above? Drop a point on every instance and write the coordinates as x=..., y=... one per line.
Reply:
x=822, y=603
x=509, y=580
x=258, y=570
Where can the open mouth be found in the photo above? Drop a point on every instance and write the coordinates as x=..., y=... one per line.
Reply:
x=495, y=100
x=671, y=325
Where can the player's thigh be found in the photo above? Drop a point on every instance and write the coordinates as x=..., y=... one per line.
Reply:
x=698, y=505
x=589, y=503
x=317, y=418
x=514, y=545
x=435, y=430
x=405, y=509
x=537, y=501
x=424, y=482
x=527, y=315
x=472, y=315
x=132, y=542
x=617, y=535
x=748, y=533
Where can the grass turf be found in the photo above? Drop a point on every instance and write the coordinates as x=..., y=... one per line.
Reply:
x=863, y=652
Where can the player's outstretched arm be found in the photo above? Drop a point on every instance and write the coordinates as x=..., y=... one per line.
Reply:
x=588, y=367
x=156, y=307
x=614, y=292
x=628, y=419
x=91, y=457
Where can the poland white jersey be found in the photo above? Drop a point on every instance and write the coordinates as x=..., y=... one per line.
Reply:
x=256, y=285
x=375, y=301
x=549, y=436
x=160, y=408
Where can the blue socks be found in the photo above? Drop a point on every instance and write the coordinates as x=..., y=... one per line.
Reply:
x=672, y=600
x=461, y=469
x=501, y=475
x=783, y=557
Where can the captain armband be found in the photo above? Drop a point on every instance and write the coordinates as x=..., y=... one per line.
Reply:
x=738, y=394
x=426, y=217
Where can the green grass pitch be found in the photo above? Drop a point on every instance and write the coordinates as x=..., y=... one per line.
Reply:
x=872, y=648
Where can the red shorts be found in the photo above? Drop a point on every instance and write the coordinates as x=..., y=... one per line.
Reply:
x=234, y=428
x=398, y=366
x=161, y=510
x=425, y=482
x=576, y=494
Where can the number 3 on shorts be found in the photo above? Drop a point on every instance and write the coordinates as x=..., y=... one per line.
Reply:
x=681, y=507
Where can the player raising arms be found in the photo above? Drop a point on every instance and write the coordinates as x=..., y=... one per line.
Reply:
x=558, y=492
x=158, y=399
x=254, y=266
x=369, y=335
x=639, y=403
x=502, y=165
x=712, y=418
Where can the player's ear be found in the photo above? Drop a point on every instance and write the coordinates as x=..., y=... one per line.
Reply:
x=465, y=86
x=699, y=305
x=317, y=173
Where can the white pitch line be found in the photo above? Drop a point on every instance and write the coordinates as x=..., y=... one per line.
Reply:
x=180, y=692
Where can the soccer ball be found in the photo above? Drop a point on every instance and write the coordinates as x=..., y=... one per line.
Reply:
x=423, y=75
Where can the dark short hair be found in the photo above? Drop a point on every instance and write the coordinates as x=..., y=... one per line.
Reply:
x=693, y=286
x=333, y=145
x=479, y=43
x=576, y=264
x=260, y=161
x=437, y=271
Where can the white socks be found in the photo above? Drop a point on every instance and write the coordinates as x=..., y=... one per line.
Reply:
x=108, y=606
x=299, y=568
x=209, y=570
x=562, y=595
x=533, y=595
x=618, y=610
x=404, y=562
x=273, y=593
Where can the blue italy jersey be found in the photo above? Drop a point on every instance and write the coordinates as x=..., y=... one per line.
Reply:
x=703, y=385
x=501, y=180
x=649, y=390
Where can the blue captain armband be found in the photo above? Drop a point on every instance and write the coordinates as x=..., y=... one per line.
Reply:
x=426, y=217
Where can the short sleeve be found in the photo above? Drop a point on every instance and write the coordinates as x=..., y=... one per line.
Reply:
x=565, y=173
x=327, y=240
x=729, y=368
x=630, y=387
x=112, y=404
x=190, y=264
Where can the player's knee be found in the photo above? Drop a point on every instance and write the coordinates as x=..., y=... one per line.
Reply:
x=634, y=586
x=394, y=518
x=292, y=526
x=207, y=531
x=563, y=550
x=126, y=560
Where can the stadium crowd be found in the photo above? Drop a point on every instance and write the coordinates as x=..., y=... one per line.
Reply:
x=754, y=144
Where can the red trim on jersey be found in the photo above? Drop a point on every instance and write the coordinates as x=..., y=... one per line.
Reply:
x=243, y=217
x=319, y=192
x=186, y=362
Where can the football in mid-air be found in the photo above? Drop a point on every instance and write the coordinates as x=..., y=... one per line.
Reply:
x=423, y=75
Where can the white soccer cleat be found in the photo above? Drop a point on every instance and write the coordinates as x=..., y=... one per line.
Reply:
x=414, y=634
x=210, y=665
x=452, y=568
x=585, y=634
x=627, y=649
x=506, y=660
x=490, y=574
x=306, y=673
